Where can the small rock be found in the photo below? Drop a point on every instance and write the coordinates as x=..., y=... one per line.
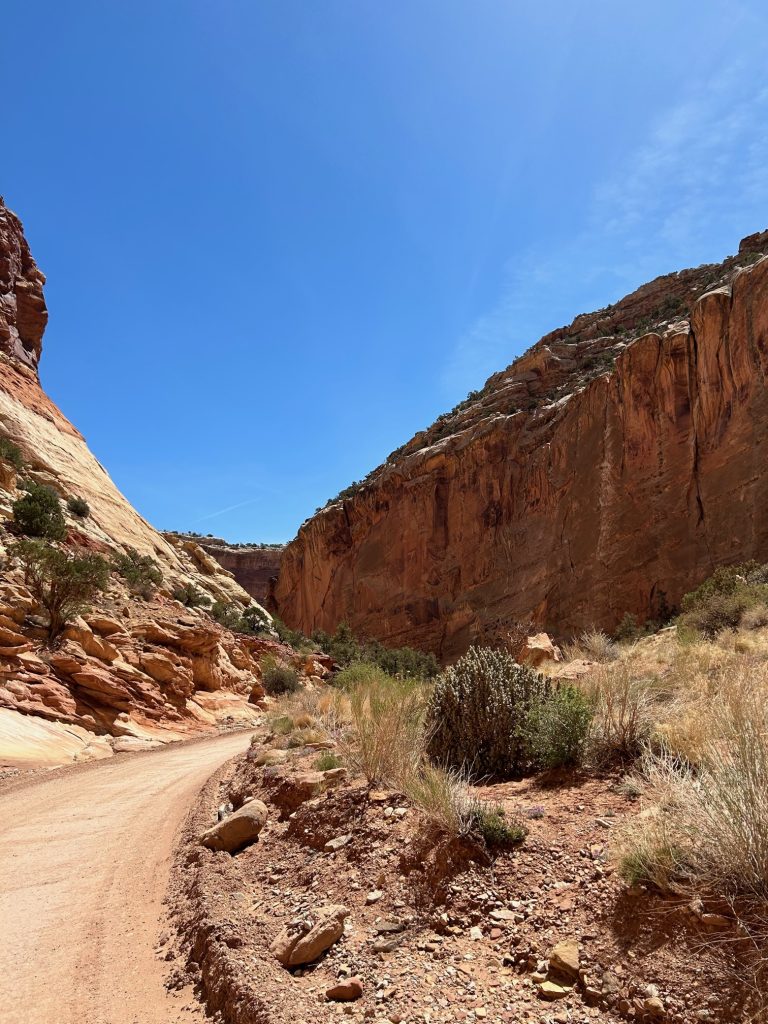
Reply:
x=386, y=943
x=337, y=844
x=238, y=830
x=551, y=990
x=345, y=991
x=564, y=958
x=654, y=1007
x=374, y=896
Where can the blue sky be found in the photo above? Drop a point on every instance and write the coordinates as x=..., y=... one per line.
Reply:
x=281, y=237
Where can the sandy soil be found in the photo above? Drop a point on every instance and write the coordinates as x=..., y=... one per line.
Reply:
x=84, y=863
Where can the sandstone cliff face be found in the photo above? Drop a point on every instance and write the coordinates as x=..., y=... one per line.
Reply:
x=133, y=670
x=255, y=567
x=608, y=470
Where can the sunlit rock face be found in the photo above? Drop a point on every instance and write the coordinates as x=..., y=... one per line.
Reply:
x=608, y=470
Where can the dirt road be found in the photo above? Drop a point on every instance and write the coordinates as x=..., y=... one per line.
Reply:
x=84, y=862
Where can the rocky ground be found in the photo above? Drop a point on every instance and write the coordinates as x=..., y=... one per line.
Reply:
x=434, y=929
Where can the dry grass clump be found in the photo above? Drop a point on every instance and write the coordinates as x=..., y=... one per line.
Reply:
x=386, y=740
x=622, y=720
x=704, y=826
x=592, y=645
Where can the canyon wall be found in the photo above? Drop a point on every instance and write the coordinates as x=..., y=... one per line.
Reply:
x=608, y=470
x=254, y=566
x=133, y=670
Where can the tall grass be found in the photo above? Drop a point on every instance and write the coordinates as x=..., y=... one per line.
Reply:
x=705, y=824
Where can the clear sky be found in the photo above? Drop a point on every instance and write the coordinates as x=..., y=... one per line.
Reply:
x=281, y=237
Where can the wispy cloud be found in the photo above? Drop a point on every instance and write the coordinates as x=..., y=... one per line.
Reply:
x=696, y=183
x=229, y=508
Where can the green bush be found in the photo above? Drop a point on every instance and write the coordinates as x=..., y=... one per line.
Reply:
x=346, y=649
x=140, y=572
x=490, y=821
x=190, y=596
x=250, y=620
x=278, y=678
x=478, y=713
x=63, y=583
x=10, y=453
x=39, y=514
x=327, y=761
x=79, y=507
x=629, y=628
x=721, y=600
x=558, y=728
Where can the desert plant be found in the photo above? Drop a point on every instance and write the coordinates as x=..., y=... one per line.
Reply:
x=592, y=645
x=628, y=629
x=141, y=572
x=492, y=823
x=385, y=742
x=706, y=826
x=62, y=582
x=622, y=720
x=78, y=507
x=277, y=678
x=327, y=761
x=558, y=728
x=190, y=596
x=346, y=649
x=478, y=713
x=38, y=513
x=755, y=617
x=10, y=453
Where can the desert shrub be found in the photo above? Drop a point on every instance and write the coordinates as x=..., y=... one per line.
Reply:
x=359, y=673
x=622, y=718
x=141, y=572
x=478, y=713
x=755, y=617
x=38, y=513
x=250, y=619
x=10, y=453
x=592, y=645
x=558, y=728
x=722, y=600
x=492, y=823
x=293, y=637
x=628, y=629
x=78, y=507
x=385, y=742
x=346, y=649
x=277, y=678
x=190, y=596
x=327, y=761
x=64, y=583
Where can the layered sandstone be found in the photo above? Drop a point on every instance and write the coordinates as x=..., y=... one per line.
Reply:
x=254, y=566
x=608, y=470
x=133, y=670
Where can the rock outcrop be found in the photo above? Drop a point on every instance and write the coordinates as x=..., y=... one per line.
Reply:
x=132, y=670
x=254, y=566
x=608, y=470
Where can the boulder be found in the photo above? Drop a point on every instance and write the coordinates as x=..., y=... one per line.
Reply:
x=301, y=942
x=539, y=649
x=237, y=831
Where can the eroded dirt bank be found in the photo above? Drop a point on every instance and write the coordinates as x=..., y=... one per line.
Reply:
x=84, y=862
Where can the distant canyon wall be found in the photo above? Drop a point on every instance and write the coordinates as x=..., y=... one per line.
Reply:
x=603, y=492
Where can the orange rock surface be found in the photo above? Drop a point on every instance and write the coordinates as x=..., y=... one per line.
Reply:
x=608, y=470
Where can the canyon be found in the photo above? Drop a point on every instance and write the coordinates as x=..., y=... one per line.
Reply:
x=607, y=471
x=254, y=566
x=134, y=670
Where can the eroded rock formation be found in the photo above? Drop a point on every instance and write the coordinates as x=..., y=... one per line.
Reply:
x=133, y=670
x=608, y=470
x=254, y=566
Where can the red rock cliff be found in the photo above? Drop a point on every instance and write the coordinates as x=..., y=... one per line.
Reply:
x=608, y=470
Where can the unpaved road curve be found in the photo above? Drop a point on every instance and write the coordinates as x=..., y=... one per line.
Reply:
x=84, y=863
